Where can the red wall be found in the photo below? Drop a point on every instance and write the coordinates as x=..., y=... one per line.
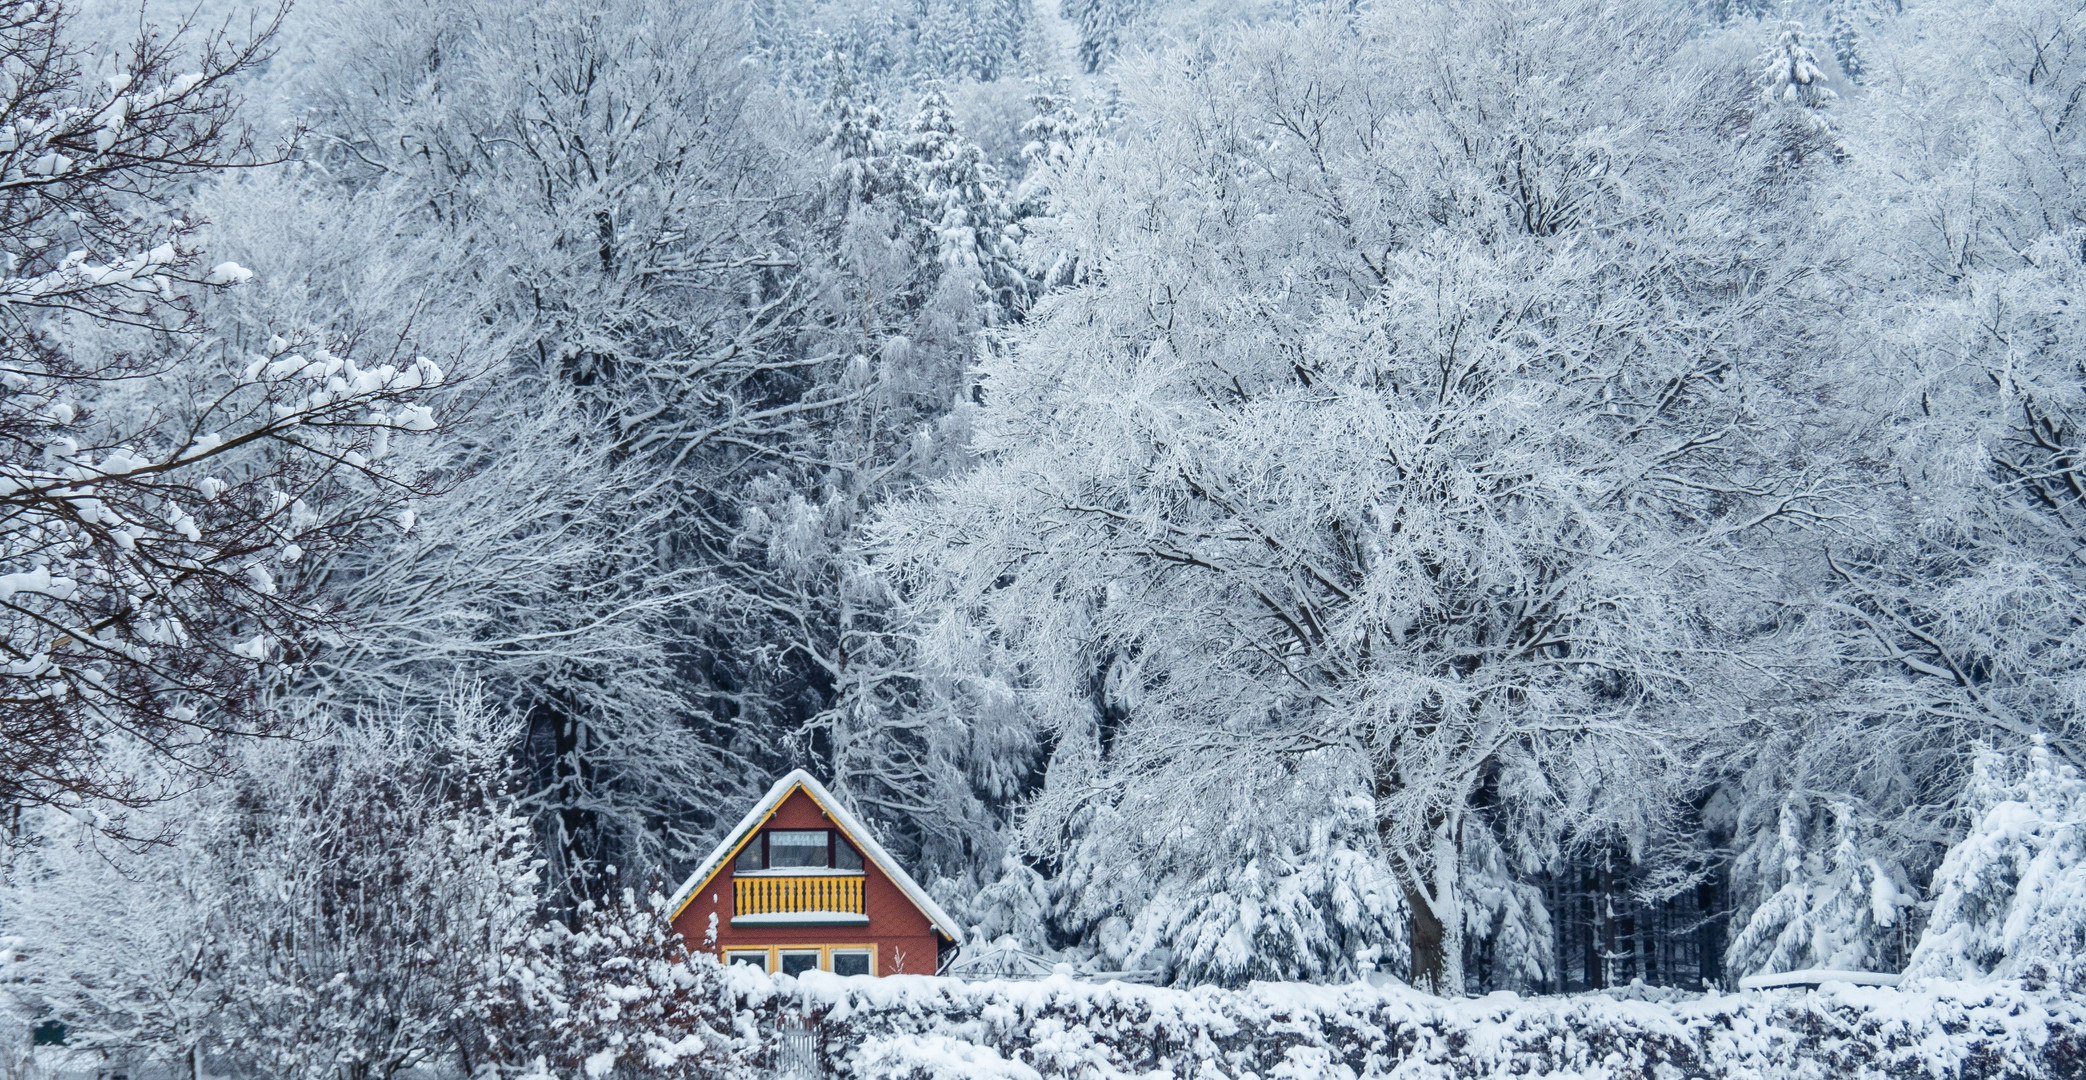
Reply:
x=897, y=928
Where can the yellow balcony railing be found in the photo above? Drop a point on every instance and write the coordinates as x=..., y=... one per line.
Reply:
x=785, y=895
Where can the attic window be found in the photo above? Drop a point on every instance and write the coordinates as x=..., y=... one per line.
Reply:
x=790, y=848
x=798, y=850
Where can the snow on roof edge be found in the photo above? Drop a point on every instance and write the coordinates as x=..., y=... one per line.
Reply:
x=843, y=817
x=761, y=808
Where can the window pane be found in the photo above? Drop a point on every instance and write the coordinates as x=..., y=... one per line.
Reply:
x=757, y=959
x=845, y=857
x=851, y=963
x=797, y=963
x=796, y=847
x=749, y=857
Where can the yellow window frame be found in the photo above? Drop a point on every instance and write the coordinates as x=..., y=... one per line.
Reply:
x=825, y=954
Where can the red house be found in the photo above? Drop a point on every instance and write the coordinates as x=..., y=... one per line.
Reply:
x=801, y=884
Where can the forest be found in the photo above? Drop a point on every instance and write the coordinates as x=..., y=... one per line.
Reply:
x=1562, y=499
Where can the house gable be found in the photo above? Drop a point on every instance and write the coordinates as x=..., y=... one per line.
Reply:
x=877, y=911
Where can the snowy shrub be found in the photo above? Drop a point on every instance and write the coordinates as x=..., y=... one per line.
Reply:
x=615, y=991
x=349, y=907
x=922, y=1028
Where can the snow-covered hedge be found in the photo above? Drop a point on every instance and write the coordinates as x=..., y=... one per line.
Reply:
x=919, y=1028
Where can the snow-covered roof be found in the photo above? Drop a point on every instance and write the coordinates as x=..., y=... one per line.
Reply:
x=1818, y=977
x=1003, y=959
x=850, y=826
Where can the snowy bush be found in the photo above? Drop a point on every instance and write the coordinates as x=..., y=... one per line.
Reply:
x=353, y=905
x=640, y=1013
x=920, y=1028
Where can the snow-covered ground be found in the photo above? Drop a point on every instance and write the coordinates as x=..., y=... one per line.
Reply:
x=922, y=1028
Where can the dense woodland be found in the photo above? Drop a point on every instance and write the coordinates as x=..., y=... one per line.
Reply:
x=1510, y=494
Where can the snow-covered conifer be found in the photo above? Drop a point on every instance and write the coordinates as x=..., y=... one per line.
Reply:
x=1841, y=898
x=1102, y=24
x=1789, y=71
x=959, y=199
x=2016, y=885
x=1846, y=38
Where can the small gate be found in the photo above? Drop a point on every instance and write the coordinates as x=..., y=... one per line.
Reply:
x=796, y=1049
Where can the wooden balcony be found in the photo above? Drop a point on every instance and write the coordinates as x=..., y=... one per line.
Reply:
x=798, y=900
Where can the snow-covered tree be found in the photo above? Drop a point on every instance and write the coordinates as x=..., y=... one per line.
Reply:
x=616, y=991
x=158, y=487
x=627, y=217
x=2010, y=897
x=1102, y=25
x=897, y=49
x=1844, y=31
x=1939, y=621
x=1352, y=449
x=956, y=196
x=923, y=266
x=1840, y=902
x=1058, y=135
x=1789, y=72
x=1975, y=265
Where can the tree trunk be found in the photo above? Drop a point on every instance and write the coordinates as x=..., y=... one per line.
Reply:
x=1429, y=956
x=1437, y=941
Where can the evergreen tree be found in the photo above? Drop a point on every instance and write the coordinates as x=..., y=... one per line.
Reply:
x=955, y=194
x=2012, y=894
x=1727, y=11
x=1058, y=135
x=857, y=139
x=1102, y=27
x=896, y=48
x=1846, y=41
x=1842, y=901
x=1790, y=75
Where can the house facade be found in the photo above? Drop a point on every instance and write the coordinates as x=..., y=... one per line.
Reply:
x=802, y=885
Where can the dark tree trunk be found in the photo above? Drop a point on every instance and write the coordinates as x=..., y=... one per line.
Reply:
x=1429, y=956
